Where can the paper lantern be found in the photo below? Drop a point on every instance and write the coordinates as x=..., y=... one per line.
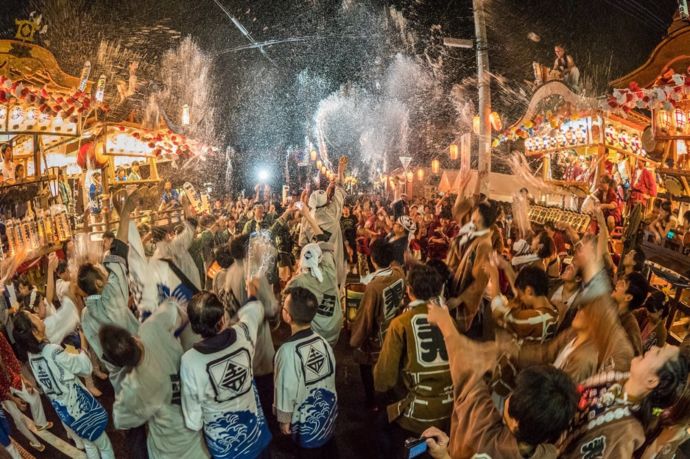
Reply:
x=185, y=115
x=410, y=176
x=453, y=153
x=475, y=124
x=680, y=119
x=84, y=78
x=435, y=166
x=496, y=122
x=319, y=165
x=420, y=174
x=323, y=170
x=312, y=155
x=664, y=120
x=100, y=89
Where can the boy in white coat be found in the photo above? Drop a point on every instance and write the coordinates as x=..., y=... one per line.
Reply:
x=218, y=391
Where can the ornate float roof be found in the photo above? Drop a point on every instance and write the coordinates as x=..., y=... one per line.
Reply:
x=671, y=55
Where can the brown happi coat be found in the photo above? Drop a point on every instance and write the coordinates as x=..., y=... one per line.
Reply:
x=381, y=303
x=605, y=426
x=469, y=279
x=476, y=425
x=414, y=364
x=607, y=347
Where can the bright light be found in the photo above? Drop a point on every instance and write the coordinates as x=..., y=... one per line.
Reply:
x=263, y=175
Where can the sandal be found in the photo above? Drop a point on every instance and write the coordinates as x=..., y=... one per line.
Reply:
x=38, y=446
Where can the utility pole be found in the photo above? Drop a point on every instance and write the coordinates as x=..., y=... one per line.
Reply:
x=484, y=86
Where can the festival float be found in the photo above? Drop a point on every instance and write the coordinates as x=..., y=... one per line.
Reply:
x=661, y=87
x=60, y=133
x=42, y=111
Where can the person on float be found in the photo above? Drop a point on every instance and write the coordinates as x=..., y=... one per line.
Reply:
x=643, y=185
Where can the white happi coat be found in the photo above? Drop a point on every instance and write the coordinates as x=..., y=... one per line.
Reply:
x=152, y=282
x=150, y=393
x=56, y=372
x=178, y=251
x=235, y=283
x=305, y=394
x=328, y=219
x=218, y=392
x=329, y=316
x=110, y=307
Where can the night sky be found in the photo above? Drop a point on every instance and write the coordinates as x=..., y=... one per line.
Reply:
x=262, y=107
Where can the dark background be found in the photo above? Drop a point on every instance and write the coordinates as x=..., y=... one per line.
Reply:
x=262, y=109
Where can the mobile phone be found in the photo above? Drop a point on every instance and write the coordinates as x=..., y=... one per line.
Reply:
x=415, y=447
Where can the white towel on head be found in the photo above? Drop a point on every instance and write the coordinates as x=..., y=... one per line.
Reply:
x=309, y=260
x=317, y=199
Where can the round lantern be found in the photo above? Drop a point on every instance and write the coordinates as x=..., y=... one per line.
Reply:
x=435, y=166
x=496, y=123
x=453, y=153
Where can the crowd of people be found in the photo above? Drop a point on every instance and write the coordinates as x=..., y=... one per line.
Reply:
x=474, y=337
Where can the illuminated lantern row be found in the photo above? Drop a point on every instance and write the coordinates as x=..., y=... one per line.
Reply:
x=622, y=139
x=571, y=134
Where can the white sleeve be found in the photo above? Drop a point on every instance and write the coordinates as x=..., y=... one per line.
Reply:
x=286, y=385
x=191, y=401
x=267, y=298
x=129, y=412
x=61, y=289
x=77, y=364
x=167, y=315
x=63, y=322
x=183, y=240
x=252, y=315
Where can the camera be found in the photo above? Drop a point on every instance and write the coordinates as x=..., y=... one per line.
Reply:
x=415, y=447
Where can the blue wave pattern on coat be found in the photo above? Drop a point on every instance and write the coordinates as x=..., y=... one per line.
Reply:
x=84, y=415
x=318, y=413
x=238, y=434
